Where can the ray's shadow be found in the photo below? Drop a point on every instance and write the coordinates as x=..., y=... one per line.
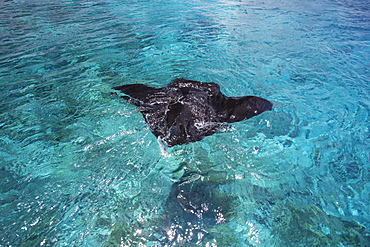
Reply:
x=194, y=206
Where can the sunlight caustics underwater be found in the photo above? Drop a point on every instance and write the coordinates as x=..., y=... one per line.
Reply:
x=79, y=166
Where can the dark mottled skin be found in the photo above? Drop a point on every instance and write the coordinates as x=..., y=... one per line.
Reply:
x=185, y=111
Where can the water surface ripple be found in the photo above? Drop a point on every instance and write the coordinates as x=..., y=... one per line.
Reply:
x=78, y=166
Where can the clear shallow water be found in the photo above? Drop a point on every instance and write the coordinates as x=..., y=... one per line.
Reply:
x=80, y=168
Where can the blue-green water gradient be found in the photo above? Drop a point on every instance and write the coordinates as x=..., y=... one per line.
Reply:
x=79, y=167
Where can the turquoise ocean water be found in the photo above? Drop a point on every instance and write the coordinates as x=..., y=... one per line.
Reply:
x=79, y=167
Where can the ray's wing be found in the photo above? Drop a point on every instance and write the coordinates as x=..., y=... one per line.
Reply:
x=158, y=106
x=235, y=109
x=229, y=109
x=139, y=92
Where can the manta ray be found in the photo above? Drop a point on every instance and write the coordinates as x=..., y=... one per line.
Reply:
x=186, y=111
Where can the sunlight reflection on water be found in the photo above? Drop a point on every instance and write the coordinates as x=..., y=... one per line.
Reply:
x=80, y=167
